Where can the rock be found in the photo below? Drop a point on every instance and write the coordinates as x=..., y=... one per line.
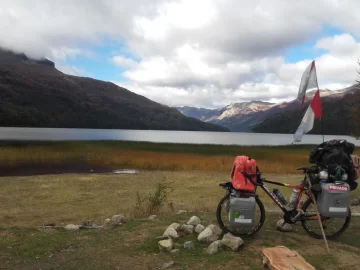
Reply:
x=176, y=226
x=207, y=235
x=152, y=217
x=166, y=245
x=194, y=220
x=188, y=229
x=118, y=219
x=215, y=229
x=171, y=233
x=72, y=227
x=177, y=245
x=167, y=265
x=87, y=223
x=181, y=212
x=189, y=245
x=175, y=251
x=355, y=202
x=107, y=224
x=214, y=247
x=199, y=228
x=283, y=227
x=232, y=242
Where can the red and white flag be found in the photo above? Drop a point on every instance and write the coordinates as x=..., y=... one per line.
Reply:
x=308, y=81
x=313, y=112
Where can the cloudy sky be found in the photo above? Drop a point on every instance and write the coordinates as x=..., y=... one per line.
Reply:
x=205, y=53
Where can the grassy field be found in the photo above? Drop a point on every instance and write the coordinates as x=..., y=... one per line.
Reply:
x=191, y=173
x=151, y=156
x=32, y=201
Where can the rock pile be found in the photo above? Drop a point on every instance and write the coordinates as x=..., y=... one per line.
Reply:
x=210, y=234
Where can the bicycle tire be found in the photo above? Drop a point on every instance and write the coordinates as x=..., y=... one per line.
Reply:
x=319, y=235
x=224, y=228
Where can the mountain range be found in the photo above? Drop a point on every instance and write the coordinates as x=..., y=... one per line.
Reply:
x=259, y=116
x=33, y=93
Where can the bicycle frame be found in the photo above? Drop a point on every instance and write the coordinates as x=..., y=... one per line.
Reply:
x=300, y=187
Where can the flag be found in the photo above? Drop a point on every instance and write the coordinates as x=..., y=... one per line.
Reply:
x=308, y=81
x=313, y=112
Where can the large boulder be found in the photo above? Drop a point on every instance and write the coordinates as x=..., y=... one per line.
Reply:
x=214, y=247
x=194, y=220
x=176, y=226
x=166, y=245
x=199, y=228
x=215, y=229
x=171, y=233
x=232, y=242
x=188, y=229
x=207, y=235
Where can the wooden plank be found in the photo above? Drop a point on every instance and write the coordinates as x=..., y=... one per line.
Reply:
x=281, y=258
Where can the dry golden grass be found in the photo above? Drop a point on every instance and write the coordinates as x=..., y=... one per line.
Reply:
x=153, y=156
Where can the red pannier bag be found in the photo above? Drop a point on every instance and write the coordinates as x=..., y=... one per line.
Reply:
x=238, y=180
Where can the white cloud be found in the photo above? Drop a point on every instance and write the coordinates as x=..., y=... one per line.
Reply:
x=205, y=52
x=124, y=62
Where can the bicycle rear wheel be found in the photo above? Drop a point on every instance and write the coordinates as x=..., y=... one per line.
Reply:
x=222, y=216
x=333, y=227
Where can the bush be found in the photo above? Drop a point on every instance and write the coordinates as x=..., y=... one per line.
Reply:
x=152, y=203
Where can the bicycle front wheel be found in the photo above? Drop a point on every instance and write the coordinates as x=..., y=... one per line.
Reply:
x=222, y=216
x=333, y=227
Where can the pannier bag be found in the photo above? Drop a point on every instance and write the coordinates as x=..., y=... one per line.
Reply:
x=238, y=180
x=242, y=211
x=336, y=156
x=333, y=200
x=356, y=164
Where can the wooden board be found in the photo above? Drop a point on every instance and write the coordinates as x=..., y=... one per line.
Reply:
x=281, y=258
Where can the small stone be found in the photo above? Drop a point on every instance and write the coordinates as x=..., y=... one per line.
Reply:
x=72, y=227
x=181, y=212
x=232, y=242
x=283, y=227
x=107, y=223
x=166, y=245
x=152, y=217
x=118, y=219
x=175, y=251
x=355, y=202
x=215, y=229
x=171, y=233
x=176, y=226
x=189, y=245
x=207, y=235
x=167, y=265
x=188, y=229
x=177, y=245
x=194, y=220
x=199, y=228
x=214, y=247
x=87, y=223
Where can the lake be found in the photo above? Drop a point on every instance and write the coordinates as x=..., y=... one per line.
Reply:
x=193, y=137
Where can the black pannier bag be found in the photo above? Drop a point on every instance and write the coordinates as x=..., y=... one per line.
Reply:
x=335, y=156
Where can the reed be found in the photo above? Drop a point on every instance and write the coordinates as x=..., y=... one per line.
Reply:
x=152, y=156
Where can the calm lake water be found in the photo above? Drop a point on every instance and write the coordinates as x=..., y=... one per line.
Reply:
x=193, y=137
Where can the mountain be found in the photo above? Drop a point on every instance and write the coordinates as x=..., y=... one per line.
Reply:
x=339, y=114
x=33, y=93
x=249, y=116
x=236, y=116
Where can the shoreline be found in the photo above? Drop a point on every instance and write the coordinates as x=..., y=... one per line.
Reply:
x=35, y=170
